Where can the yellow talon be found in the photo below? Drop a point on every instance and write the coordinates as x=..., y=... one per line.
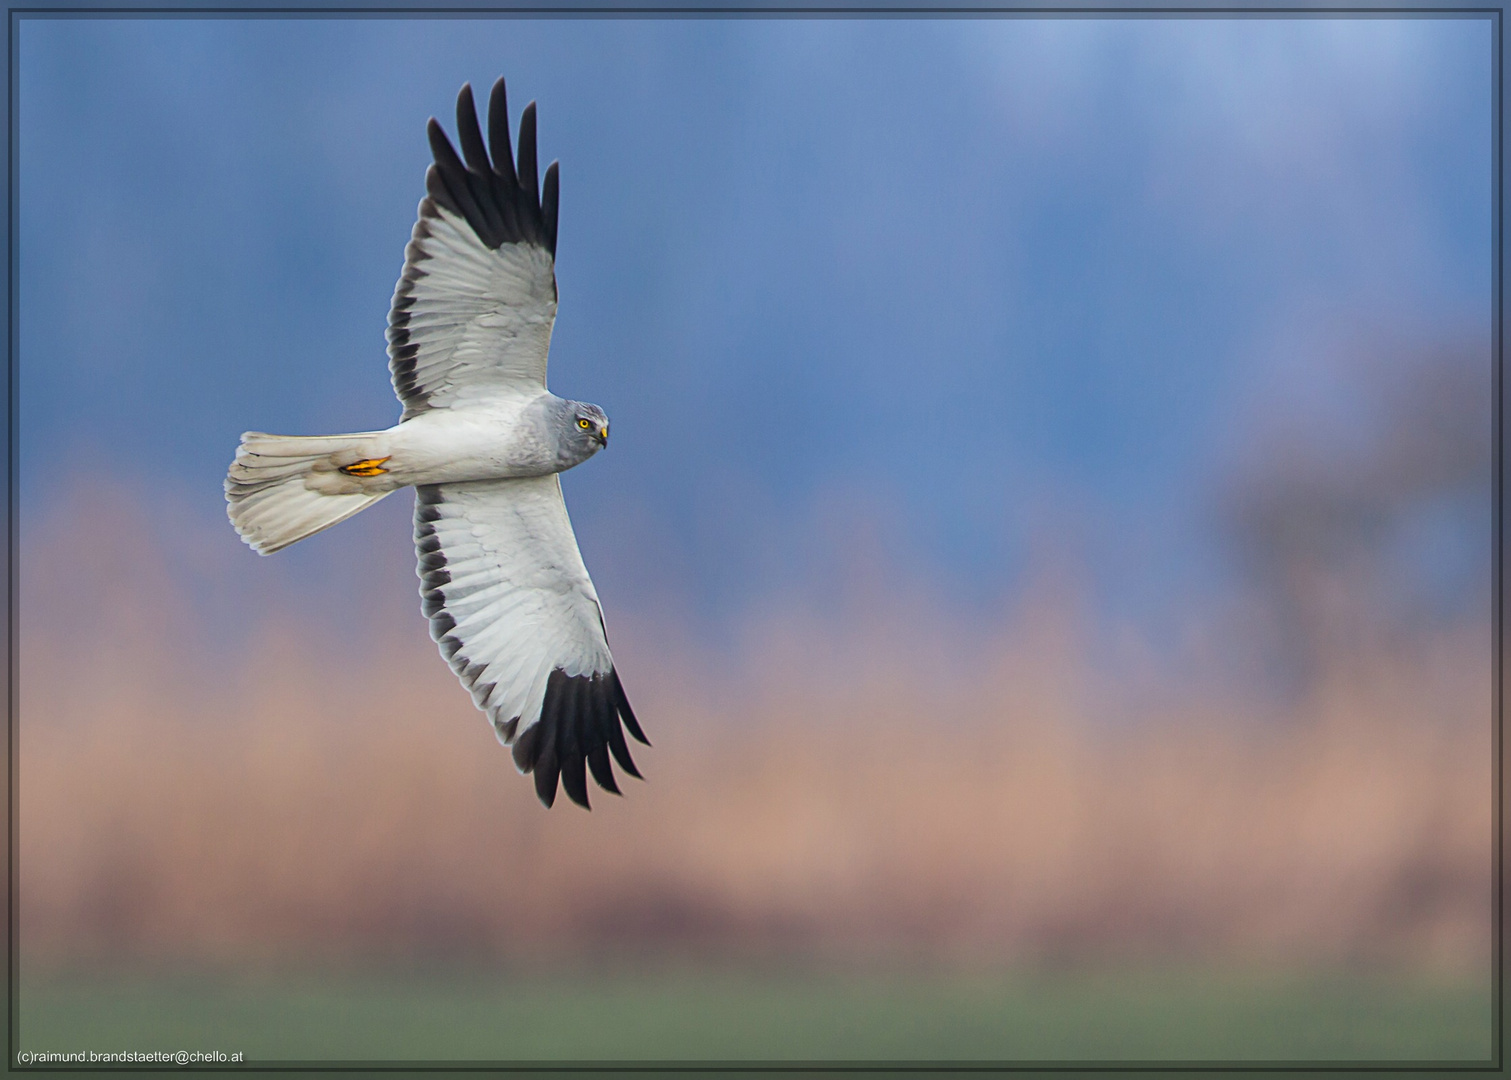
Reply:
x=365, y=467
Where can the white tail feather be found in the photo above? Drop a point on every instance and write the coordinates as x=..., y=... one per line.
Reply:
x=267, y=498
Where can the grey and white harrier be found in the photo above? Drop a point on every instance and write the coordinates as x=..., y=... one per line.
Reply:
x=481, y=440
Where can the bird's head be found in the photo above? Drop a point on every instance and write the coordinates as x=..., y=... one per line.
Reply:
x=586, y=431
x=591, y=423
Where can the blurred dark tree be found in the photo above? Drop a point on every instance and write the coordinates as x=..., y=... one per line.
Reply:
x=1372, y=535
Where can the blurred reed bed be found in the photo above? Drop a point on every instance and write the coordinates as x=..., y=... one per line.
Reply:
x=884, y=783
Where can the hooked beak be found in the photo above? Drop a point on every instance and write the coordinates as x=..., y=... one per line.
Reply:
x=603, y=435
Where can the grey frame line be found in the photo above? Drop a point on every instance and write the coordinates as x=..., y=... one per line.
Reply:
x=1501, y=605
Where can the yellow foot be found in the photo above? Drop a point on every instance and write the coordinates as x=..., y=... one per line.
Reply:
x=365, y=467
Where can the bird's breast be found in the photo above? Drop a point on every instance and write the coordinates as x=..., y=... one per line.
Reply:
x=446, y=446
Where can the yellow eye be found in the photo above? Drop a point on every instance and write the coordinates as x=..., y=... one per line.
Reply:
x=584, y=424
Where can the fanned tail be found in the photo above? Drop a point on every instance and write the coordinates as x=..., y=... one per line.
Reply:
x=268, y=498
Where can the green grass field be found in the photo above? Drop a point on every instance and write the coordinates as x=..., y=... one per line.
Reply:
x=1155, y=1015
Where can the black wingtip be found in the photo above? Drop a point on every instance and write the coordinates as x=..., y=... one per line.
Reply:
x=578, y=733
x=546, y=772
x=526, y=170
x=469, y=134
x=603, y=772
x=574, y=780
x=550, y=199
x=501, y=206
x=440, y=145
x=498, y=133
x=621, y=751
x=622, y=702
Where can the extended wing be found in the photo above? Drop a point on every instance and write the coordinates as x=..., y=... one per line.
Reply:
x=513, y=610
x=473, y=309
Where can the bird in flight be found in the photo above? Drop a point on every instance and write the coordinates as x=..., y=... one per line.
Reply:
x=482, y=441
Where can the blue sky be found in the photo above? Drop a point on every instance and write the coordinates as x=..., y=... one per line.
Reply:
x=964, y=290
